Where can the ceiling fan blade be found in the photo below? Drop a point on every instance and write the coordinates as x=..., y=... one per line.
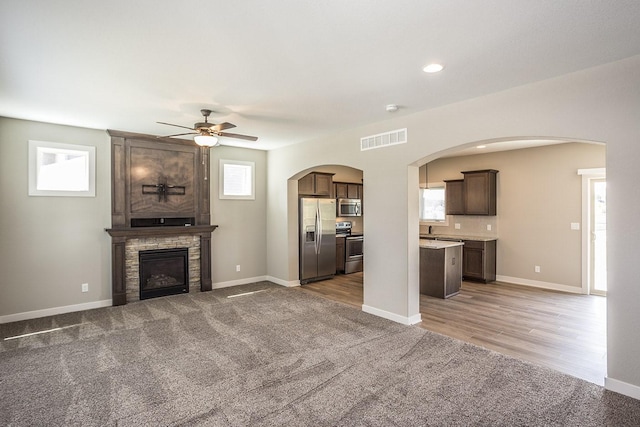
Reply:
x=222, y=126
x=171, y=124
x=238, y=136
x=178, y=134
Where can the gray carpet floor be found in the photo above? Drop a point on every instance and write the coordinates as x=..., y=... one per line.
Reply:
x=279, y=357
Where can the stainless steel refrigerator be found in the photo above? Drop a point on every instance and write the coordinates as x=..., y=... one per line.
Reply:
x=317, y=239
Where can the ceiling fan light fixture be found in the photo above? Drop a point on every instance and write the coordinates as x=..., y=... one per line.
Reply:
x=206, y=140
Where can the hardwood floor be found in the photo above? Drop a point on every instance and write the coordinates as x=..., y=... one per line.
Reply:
x=566, y=332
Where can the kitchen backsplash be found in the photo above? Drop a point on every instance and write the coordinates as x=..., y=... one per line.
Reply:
x=469, y=226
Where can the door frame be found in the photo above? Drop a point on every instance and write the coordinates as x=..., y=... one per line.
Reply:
x=587, y=176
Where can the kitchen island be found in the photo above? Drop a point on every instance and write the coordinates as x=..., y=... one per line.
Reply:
x=440, y=268
x=478, y=255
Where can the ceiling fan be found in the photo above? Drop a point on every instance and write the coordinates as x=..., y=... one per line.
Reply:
x=207, y=133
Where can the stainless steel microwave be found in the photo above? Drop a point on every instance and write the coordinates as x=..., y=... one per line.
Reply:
x=349, y=207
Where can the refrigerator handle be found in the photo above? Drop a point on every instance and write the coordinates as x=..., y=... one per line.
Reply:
x=318, y=230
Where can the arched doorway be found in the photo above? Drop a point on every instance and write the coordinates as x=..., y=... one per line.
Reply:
x=539, y=246
x=340, y=175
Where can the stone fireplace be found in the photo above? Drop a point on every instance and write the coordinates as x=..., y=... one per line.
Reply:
x=160, y=205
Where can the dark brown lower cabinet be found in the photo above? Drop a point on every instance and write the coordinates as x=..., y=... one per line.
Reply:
x=479, y=261
x=440, y=272
x=340, y=244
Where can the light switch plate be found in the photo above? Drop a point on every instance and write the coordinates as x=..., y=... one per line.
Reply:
x=575, y=226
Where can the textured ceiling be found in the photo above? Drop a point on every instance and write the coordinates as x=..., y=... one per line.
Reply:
x=287, y=70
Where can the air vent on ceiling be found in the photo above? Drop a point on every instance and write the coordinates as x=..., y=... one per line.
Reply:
x=385, y=139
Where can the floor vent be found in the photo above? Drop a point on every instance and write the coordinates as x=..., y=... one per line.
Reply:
x=385, y=139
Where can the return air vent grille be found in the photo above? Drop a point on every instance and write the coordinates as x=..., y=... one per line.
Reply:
x=380, y=140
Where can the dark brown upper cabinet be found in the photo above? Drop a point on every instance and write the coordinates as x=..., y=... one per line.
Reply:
x=480, y=192
x=316, y=184
x=347, y=190
x=473, y=195
x=454, y=197
x=340, y=190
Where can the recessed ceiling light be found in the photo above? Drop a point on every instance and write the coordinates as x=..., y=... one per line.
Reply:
x=433, y=68
x=481, y=146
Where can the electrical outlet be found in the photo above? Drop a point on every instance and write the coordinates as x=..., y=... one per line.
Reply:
x=457, y=226
x=85, y=287
x=488, y=227
x=536, y=269
x=238, y=267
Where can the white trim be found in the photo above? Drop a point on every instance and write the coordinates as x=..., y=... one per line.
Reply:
x=288, y=284
x=540, y=284
x=392, y=316
x=593, y=171
x=248, y=280
x=444, y=223
x=622, y=387
x=587, y=176
x=245, y=281
x=36, y=314
x=35, y=167
x=222, y=177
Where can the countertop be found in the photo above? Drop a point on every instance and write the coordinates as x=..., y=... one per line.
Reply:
x=460, y=237
x=438, y=244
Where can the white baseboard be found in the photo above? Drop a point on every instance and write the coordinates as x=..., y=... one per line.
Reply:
x=622, y=387
x=392, y=316
x=288, y=284
x=245, y=281
x=539, y=284
x=107, y=303
x=27, y=315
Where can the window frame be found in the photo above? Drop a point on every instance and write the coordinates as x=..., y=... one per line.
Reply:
x=34, y=169
x=222, y=178
x=434, y=185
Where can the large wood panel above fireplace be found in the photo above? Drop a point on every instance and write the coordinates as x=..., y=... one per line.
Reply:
x=158, y=178
x=160, y=191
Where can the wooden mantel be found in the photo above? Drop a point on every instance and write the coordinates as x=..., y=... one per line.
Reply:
x=132, y=232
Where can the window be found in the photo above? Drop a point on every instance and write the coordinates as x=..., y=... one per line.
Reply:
x=432, y=204
x=237, y=180
x=57, y=169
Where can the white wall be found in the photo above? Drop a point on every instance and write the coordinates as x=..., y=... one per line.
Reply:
x=599, y=104
x=241, y=235
x=49, y=246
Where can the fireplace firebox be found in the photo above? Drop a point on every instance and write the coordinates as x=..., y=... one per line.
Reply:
x=163, y=272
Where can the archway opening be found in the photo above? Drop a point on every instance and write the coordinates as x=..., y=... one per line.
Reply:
x=538, y=257
x=347, y=187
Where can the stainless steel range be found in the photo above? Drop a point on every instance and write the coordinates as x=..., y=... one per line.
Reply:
x=354, y=242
